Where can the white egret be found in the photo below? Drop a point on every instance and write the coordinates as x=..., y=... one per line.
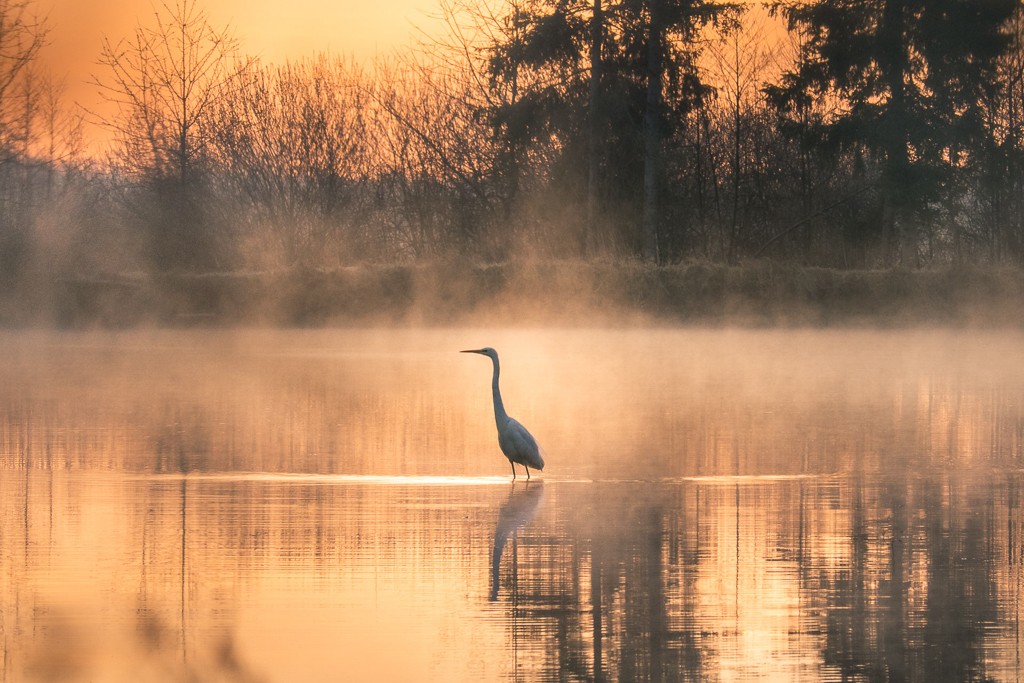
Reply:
x=516, y=442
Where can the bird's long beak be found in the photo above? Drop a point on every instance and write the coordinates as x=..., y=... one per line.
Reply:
x=480, y=351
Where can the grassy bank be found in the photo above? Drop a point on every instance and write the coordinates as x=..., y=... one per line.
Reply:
x=565, y=292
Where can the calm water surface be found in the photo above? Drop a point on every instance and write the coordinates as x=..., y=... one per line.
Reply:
x=332, y=506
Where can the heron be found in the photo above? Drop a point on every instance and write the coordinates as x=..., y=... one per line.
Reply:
x=516, y=442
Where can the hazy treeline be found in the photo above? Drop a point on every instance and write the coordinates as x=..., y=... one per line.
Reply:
x=833, y=133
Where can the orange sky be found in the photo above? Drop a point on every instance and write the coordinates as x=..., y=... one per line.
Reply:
x=270, y=29
x=273, y=30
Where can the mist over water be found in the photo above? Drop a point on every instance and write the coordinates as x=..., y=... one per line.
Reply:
x=332, y=505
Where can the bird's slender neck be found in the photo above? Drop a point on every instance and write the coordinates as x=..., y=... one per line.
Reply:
x=500, y=416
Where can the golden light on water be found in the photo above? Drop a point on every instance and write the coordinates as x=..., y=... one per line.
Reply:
x=258, y=505
x=315, y=505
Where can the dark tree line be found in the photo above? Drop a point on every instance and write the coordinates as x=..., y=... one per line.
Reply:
x=840, y=133
x=880, y=121
x=913, y=77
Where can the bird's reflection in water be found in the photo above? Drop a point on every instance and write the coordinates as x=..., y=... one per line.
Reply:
x=515, y=513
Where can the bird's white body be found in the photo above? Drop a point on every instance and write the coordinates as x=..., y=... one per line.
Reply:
x=515, y=440
x=518, y=445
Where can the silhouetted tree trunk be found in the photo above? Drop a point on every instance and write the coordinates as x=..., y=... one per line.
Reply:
x=594, y=117
x=652, y=132
x=898, y=226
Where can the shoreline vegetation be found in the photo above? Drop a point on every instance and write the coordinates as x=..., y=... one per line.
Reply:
x=530, y=164
x=761, y=293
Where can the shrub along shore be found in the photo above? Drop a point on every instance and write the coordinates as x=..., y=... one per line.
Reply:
x=762, y=293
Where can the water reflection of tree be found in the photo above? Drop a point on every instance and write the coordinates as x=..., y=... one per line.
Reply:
x=605, y=596
x=900, y=578
x=961, y=602
x=920, y=594
x=897, y=579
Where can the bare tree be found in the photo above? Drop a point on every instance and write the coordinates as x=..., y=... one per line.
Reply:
x=164, y=83
x=22, y=35
x=292, y=143
x=58, y=138
x=455, y=91
x=436, y=156
x=739, y=63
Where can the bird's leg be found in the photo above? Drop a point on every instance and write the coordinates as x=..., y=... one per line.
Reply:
x=527, y=473
x=513, y=470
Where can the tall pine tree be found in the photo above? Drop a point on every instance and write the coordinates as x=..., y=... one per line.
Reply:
x=911, y=74
x=601, y=86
